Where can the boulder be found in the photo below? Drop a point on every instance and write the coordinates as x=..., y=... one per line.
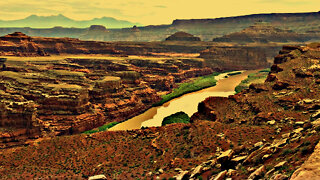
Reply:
x=196, y=171
x=280, y=164
x=257, y=173
x=221, y=175
x=225, y=156
x=279, y=177
x=182, y=175
x=98, y=177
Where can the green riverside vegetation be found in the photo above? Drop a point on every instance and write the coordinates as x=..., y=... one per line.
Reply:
x=234, y=73
x=258, y=77
x=179, y=117
x=195, y=85
x=102, y=128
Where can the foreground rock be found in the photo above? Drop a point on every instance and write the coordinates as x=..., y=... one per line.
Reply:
x=310, y=168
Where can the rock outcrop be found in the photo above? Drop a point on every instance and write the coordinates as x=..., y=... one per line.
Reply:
x=19, y=44
x=262, y=33
x=310, y=168
x=182, y=36
x=235, y=58
x=283, y=93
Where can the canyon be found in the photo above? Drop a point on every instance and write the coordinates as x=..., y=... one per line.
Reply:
x=50, y=96
x=266, y=131
x=55, y=90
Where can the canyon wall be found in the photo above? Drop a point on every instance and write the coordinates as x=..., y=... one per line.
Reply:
x=46, y=98
x=268, y=131
x=235, y=58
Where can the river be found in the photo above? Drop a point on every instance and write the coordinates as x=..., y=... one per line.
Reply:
x=187, y=103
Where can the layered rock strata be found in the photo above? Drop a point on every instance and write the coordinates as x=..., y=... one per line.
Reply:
x=68, y=96
x=235, y=58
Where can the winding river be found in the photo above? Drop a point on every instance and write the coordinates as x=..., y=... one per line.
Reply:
x=187, y=103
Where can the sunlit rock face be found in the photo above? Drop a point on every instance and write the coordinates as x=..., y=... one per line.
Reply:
x=235, y=58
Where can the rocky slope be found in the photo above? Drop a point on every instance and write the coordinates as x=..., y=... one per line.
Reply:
x=267, y=131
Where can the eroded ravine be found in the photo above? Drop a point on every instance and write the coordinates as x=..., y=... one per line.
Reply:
x=187, y=103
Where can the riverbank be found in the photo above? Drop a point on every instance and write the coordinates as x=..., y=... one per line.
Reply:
x=187, y=103
x=258, y=77
x=188, y=87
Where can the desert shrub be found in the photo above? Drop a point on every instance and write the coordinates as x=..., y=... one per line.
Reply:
x=286, y=152
x=305, y=150
x=179, y=117
x=307, y=143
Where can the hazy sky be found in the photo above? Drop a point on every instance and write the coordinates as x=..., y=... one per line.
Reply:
x=151, y=11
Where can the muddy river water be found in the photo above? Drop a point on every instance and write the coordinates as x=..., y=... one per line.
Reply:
x=187, y=103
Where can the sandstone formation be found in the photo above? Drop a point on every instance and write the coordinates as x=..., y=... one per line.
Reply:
x=182, y=36
x=265, y=132
x=19, y=44
x=95, y=32
x=262, y=33
x=235, y=58
x=310, y=168
x=47, y=98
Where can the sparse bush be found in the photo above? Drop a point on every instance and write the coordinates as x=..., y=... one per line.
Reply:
x=304, y=150
x=179, y=117
x=286, y=152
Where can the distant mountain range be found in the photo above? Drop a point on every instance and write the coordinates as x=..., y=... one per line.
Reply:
x=35, y=21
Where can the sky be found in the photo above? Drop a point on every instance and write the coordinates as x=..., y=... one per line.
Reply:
x=151, y=12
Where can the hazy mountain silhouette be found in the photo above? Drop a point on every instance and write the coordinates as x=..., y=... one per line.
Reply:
x=35, y=21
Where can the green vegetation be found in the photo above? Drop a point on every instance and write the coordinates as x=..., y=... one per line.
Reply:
x=258, y=77
x=197, y=84
x=234, y=73
x=179, y=117
x=102, y=128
